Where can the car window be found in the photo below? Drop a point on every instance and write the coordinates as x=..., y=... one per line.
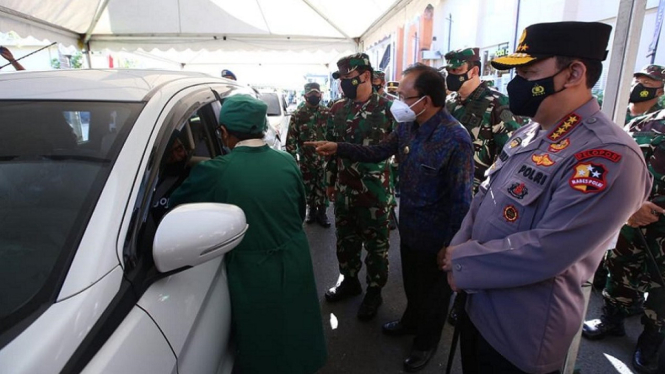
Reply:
x=185, y=146
x=271, y=98
x=55, y=158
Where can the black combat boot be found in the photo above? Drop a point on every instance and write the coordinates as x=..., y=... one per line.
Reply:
x=322, y=217
x=609, y=324
x=645, y=359
x=370, y=304
x=311, y=214
x=348, y=288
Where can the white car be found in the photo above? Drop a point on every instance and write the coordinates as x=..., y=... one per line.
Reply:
x=278, y=117
x=97, y=275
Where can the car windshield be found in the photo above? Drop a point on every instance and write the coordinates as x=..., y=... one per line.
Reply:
x=272, y=100
x=55, y=158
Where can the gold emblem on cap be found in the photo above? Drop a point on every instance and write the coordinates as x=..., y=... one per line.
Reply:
x=644, y=93
x=521, y=47
x=406, y=150
x=538, y=90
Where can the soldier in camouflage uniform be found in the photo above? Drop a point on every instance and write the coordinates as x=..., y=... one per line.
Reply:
x=485, y=114
x=360, y=190
x=482, y=110
x=646, y=90
x=309, y=123
x=645, y=93
x=631, y=271
x=379, y=82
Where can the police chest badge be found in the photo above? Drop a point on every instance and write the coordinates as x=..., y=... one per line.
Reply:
x=518, y=190
x=515, y=142
x=542, y=160
x=560, y=146
x=510, y=213
x=588, y=177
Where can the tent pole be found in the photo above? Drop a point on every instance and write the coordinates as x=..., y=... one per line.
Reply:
x=88, y=54
x=622, y=59
x=93, y=24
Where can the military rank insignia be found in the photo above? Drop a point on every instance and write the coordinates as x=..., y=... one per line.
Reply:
x=588, y=177
x=518, y=190
x=560, y=146
x=510, y=213
x=565, y=127
x=542, y=160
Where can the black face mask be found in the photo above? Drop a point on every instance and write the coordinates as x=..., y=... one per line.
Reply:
x=350, y=87
x=455, y=81
x=377, y=87
x=639, y=93
x=525, y=96
x=313, y=100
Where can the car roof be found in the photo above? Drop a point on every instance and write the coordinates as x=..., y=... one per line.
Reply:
x=96, y=84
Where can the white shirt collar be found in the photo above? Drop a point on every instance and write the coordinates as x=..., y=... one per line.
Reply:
x=251, y=143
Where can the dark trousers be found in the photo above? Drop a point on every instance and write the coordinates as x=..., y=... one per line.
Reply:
x=478, y=356
x=427, y=295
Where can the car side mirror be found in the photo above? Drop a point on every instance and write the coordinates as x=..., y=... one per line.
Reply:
x=192, y=234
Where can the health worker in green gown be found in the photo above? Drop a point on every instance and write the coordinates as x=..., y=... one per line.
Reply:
x=276, y=315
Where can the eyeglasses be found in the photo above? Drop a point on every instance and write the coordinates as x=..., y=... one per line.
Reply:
x=402, y=98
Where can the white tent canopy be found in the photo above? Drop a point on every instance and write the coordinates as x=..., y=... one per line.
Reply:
x=229, y=25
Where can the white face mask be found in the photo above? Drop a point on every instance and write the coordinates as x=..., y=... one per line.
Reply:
x=403, y=112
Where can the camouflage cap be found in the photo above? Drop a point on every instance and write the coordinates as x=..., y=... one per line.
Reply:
x=656, y=72
x=379, y=74
x=350, y=63
x=456, y=58
x=312, y=86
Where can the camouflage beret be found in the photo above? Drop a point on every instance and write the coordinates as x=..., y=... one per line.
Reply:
x=456, y=58
x=656, y=72
x=379, y=74
x=312, y=86
x=350, y=63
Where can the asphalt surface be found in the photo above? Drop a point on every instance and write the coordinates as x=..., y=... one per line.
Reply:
x=360, y=347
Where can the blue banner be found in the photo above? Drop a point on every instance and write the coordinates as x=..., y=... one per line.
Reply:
x=656, y=33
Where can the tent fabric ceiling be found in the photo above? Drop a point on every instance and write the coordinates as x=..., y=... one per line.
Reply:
x=231, y=25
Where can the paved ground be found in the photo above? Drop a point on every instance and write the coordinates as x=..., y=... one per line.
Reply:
x=360, y=347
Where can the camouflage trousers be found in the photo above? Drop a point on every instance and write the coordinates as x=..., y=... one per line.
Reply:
x=629, y=275
x=357, y=226
x=315, y=186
